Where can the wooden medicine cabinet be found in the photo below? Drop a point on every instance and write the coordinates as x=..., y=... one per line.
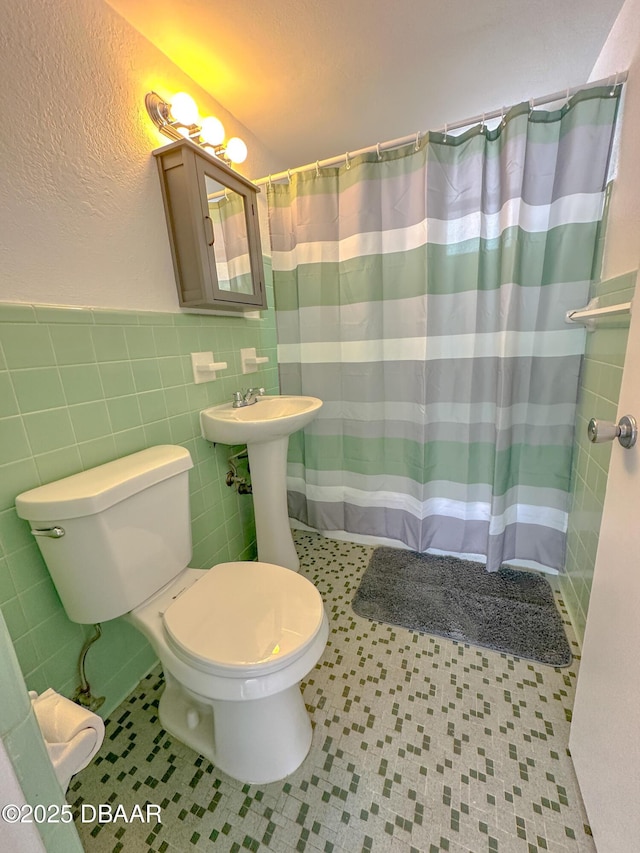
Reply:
x=212, y=218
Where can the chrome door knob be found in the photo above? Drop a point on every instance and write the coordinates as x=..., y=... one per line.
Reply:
x=626, y=431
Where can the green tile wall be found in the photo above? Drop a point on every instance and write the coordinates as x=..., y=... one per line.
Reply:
x=79, y=387
x=599, y=392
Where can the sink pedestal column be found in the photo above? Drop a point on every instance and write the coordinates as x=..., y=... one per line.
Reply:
x=268, y=464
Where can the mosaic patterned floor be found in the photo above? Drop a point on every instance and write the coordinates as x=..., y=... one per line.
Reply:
x=420, y=745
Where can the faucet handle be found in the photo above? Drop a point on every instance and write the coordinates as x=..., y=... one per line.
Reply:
x=236, y=397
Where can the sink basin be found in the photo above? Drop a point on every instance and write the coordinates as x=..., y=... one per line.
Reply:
x=270, y=418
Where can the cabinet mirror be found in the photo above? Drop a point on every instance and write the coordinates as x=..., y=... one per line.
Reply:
x=212, y=219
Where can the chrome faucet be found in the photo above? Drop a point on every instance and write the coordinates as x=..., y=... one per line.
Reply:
x=246, y=398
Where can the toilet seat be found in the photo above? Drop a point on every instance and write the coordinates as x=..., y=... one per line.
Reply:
x=282, y=613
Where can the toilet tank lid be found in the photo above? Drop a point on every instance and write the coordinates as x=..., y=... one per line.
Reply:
x=99, y=488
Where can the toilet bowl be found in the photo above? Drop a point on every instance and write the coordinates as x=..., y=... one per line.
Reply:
x=234, y=640
x=232, y=673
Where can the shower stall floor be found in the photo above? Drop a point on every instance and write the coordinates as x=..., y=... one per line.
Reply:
x=420, y=744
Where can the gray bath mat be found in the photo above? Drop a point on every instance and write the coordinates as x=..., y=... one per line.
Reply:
x=508, y=611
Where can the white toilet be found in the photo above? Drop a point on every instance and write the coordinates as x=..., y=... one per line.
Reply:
x=234, y=640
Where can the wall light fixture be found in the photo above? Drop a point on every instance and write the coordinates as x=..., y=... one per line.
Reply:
x=181, y=119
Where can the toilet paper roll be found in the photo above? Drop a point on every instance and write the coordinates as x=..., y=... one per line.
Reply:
x=72, y=757
x=60, y=719
x=72, y=734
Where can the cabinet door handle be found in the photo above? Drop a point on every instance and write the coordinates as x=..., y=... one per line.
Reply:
x=212, y=237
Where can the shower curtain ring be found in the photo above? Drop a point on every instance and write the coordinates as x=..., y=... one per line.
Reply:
x=289, y=175
x=445, y=131
x=482, y=125
x=531, y=105
x=417, y=145
x=346, y=160
x=269, y=183
x=317, y=168
x=378, y=150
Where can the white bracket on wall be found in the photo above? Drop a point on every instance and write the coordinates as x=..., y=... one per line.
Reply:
x=250, y=361
x=204, y=367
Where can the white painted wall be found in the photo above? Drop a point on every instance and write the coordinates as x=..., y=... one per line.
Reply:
x=82, y=215
x=622, y=51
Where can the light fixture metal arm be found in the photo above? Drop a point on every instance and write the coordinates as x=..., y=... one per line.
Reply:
x=159, y=114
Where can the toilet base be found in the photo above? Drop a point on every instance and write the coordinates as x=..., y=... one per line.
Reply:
x=255, y=741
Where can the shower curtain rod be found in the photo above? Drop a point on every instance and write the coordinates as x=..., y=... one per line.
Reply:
x=615, y=80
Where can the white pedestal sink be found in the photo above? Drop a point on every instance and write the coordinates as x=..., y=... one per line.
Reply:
x=265, y=427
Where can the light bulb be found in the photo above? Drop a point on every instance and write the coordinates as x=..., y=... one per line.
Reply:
x=236, y=150
x=212, y=131
x=184, y=109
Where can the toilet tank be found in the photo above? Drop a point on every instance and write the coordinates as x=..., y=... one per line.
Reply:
x=126, y=531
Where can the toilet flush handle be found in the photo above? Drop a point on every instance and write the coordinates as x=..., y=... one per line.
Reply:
x=52, y=532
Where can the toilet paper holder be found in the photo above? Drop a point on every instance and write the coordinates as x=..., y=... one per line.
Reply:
x=626, y=431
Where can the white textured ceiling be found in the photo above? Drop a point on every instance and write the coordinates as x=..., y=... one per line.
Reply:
x=314, y=78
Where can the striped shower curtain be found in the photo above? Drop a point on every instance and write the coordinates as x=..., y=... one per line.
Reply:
x=421, y=294
x=228, y=218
